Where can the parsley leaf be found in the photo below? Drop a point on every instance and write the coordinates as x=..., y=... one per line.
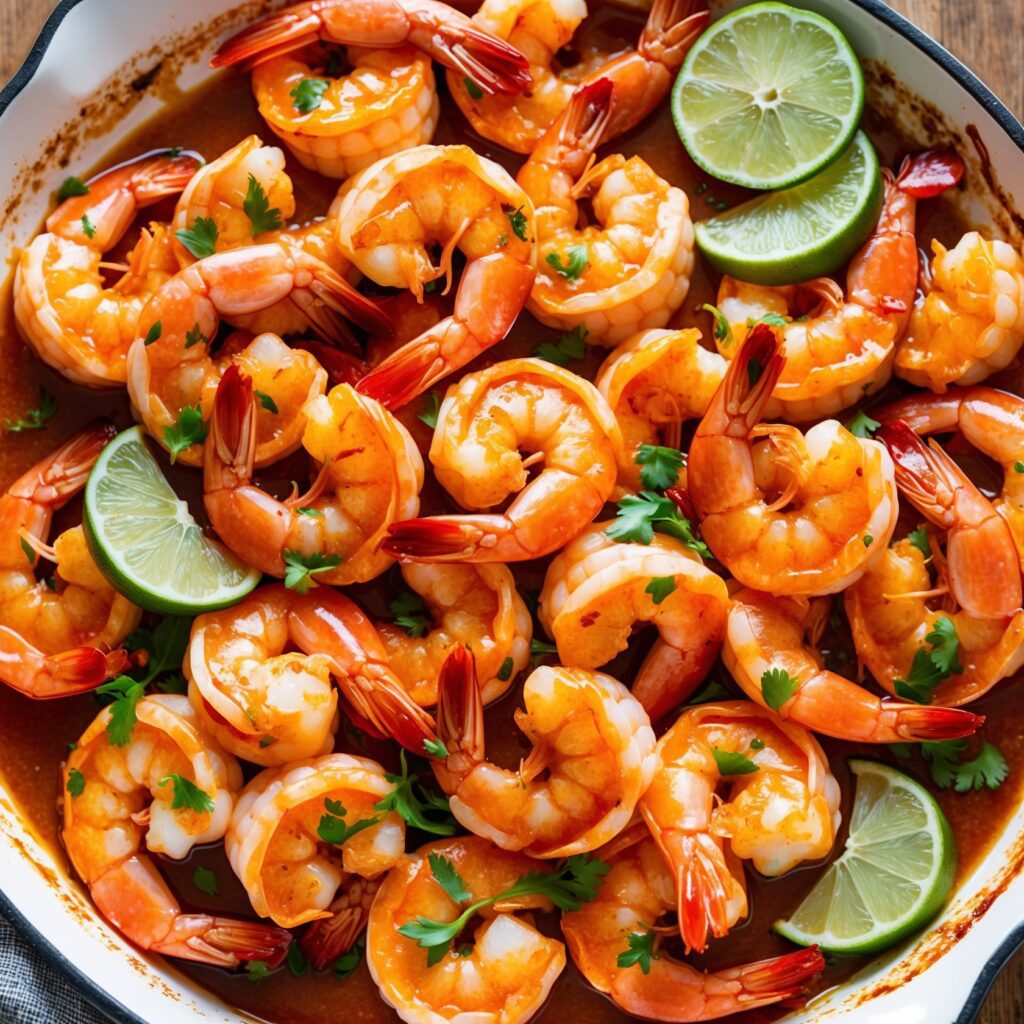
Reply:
x=659, y=466
x=256, y=205
x=919, y=539
x=71, y=186
x=448, y=878
x=88, y=228
x=931, y=667
x=200, y=239
x=153, y=334
x=641, y=950
x=435, y=748
x=638, y=516
x=187, y=795
x=660, y=587
x=777, y=686
x=988, y=769
x=517, y=219
x=127, y=693
x=299, y=569
x=474, y=90
x=309, y=94
x=195, y=336
x=417, y=805
x=334, y=829
x=189, y=429
x=723, y=329
x=862, y=425
x=431, y=407
x=731, y=762
x=409, y=612
x=348, y=962
x=205, y=881
x=576, y=259
x=34, y=419
x=76, y=782
x=568, y=347
x=266, y=401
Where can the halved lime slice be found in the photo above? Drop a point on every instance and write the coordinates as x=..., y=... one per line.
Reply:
x=894, y=875
x=810, y=230
x=768, y=96
x=146, y=542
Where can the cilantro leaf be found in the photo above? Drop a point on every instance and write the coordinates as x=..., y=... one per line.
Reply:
x=431, y=407
x=919, y=539
x=153, y=334
x=732, y=763
x=28, y=551
x=200, y=239
x=517, y=219
x=505, y=671
x=474, y=90
x=71, y=186
x=309, y=94
x=307, y=510
x=188, y=429
x=195, y=336
x=334, y=829
x=576, y=259
x=988, y=769
x=187, y=795
x=931, y=666
x=127, y=693
x=88, y=228
x=569, y=346
x=448, y=878
x=418, y=806
x=34, y=419
x=722, y=329
x=777, y=686
x=409, y=612
x=435, y=748
x=638, y=516
x=76, y=783
x=266, y=401
x=299, y=569
x=660, y=587
x=348, y=962
x=862, y=425
x=257, y=970
x=641, y=950
x=659, y=466
x=298, y=965
x=205, y=881
x=256, y=205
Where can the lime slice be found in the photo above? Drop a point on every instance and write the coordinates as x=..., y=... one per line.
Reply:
x=146, y=542
x=810, y=230
x=768, y=96
x=894, y=875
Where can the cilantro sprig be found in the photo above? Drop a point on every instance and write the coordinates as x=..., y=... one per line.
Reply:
x=410, y=613
x=34, y=419
x=256, y=205
x=201, y=238
x=777, y=686
x=659, y=466
x=641, y=949
x=862, y=425
x=187, y=796
x=417, y=805
x=188, y=429
x=732, y=762
x=639, y=515
x=570, y=267
x=949, y=771
x=333, y=827
x=722, y=327
x=932, y=664
x=309, y=94
x=517, y=221
x=569, y=347
x=299, y=569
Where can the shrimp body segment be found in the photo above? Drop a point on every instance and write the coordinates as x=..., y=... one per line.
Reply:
x=592, y=759
x=635, y=895
x=779, y=814
x=598, y=590
x=628, y=271
x=127, y=800
x=60, y=640
x=504, y=970
x=65, y=311
x=786, y=512
x=274, y=842
x=485, y=425
x=766, y=637
x=371, y=476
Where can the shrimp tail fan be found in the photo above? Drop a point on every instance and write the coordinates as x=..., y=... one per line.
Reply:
x=781, y=977
x=331, y=937
x=249, y=940
x=434, y=538
x=936, y=723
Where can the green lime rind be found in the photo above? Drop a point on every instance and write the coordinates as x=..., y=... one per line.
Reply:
x=810, y=230
x=146, y=542
x=894, y=876
x=768, y=96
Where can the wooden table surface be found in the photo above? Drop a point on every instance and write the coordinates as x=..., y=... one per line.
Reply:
x=987, y=35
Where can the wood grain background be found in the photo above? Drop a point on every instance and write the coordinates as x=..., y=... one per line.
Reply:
x=987, y=35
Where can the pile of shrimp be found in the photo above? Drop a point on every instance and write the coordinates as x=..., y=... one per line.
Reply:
x=722, y=490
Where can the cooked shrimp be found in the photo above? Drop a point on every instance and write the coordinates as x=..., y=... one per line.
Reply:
x=634, y=896
x=970, y=322
x=129, y=794
x=797, y=514
x=436, y=29
x=631, y=269
x=769, y=653
x=592, y=758
x=66, y=313
x=976, y=535
x=843, y=347
x=390, y=217
x=542, y=28
x=474, y=605
x=992, y=421
x=894, y=607
x=486, y=422
x=655, y=381
x=282, y=853
x=59, y=639
x=501, y=975
x=371, y=477
x=170, y=366
x=598, y=590
x=779, y=813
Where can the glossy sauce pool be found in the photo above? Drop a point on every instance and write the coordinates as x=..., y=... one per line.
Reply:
x=210, y=120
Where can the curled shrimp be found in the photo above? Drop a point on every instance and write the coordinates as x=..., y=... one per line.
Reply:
x=170, y=366
x=796, y=514
x=504, y=967
x=371, y=476
x=634, y=896
x=844, y=346
x=485, y=423
x=62, y=639
x=127, y=797
x=629, y=270
x=542, y=28
x=655, y=381
x=66, y=313
x=970, y=322
x=395, y=211
x=592, y=758
x=277, y=846
x=770, y=649
x=597, y=591
x=222, y=193
x=475, y=605
x=777, y=814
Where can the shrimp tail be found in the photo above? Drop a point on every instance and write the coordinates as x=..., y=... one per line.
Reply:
x=44, y=677
x=280, y=33
x=249, y=940
x=781, y=977
x=444, y=538
x=492, y=64
x=381, y=707
x=586, y=118
x=63, y=474
x=330, y=937
x=672, y=28
x=930, y=174
x=342, y=367
x=231, y=453
x=460, y=707
x=935, y=723
x=752, y=377
x=163, y=174
x=329, y=300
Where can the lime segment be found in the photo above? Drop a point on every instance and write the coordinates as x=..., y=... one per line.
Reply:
x=894, y=875
x=810, y=230
x=146, y=542
x=768, y=96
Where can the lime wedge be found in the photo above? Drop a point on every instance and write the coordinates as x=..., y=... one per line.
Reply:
x=894, y=875
x=768, y=96
x=146, y=542
x=810, y=230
